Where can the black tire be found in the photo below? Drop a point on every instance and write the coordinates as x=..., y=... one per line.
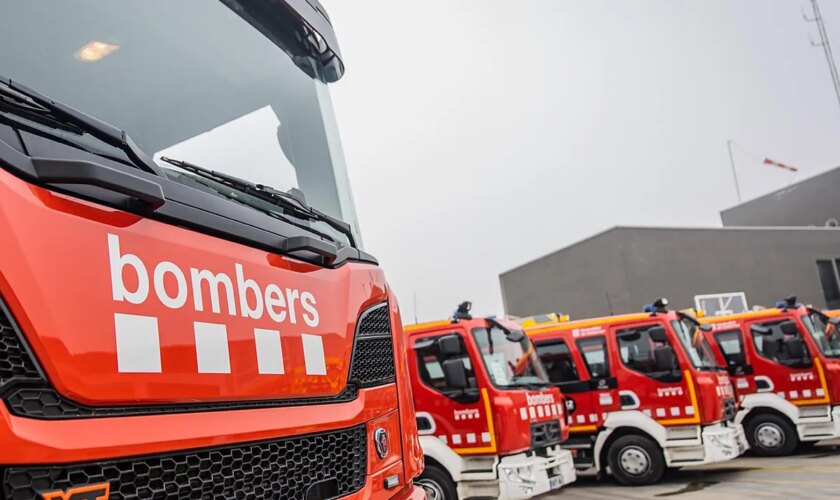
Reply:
x=437, y=484
x=770, y=435
x=635, y=460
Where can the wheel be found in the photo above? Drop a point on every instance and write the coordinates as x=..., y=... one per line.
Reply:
x=635, y=460
x=437, y=484
x=771, y=435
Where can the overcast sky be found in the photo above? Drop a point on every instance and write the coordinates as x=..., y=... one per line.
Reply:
x=482, y=134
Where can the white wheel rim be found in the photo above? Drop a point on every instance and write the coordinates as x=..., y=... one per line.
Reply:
x=634, y=460
x=769, y=436
x=433, y=490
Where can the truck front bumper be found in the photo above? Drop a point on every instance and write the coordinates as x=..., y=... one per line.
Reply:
x=526, y=475
x=717, y=444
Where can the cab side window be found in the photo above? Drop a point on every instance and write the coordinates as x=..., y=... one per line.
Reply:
x=781, y=342
x=646, y=349
x=558, y=361
x=430, y=365
x=594, y=351
x=732, y=348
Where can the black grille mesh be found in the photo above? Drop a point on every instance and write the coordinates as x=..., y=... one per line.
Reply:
x=285, y=468
x=375, y=322
x=373, y=358
x=729, y=409
x=545, y=434
x=15, y=361
x=46, y=403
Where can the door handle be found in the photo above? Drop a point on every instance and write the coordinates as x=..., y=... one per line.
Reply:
x=63, y=171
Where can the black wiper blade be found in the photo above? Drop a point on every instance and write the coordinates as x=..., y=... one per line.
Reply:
x=269, y=194
x=101, y=130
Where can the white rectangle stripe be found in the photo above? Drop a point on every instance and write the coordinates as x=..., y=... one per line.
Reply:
x=269, y=351
x=485, y=437
x=471, y=438
x=211, y=348
x=313, y=354
x=523, y=413
x=138, y=343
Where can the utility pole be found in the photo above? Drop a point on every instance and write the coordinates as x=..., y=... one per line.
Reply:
x=415, y=308
x=734, y=171
x=826, y=46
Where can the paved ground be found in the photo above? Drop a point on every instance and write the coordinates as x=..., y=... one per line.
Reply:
x=812, y=474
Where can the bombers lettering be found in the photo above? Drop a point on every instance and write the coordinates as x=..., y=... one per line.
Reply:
x=253, y=302
x=539, y=399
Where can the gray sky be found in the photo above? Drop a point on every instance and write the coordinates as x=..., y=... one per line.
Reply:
x=481, y=134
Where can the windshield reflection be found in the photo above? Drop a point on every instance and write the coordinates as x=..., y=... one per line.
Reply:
x=509, y=363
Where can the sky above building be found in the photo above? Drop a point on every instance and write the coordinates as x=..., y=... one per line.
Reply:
x=482, y=134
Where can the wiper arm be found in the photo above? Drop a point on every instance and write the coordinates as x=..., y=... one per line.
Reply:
x=267, y=193
x=103, y=131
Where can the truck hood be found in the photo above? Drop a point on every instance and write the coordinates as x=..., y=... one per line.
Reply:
x=121, y=309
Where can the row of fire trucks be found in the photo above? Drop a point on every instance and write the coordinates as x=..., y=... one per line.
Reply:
x=514, y=409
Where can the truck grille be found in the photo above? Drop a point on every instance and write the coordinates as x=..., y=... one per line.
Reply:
x=729, y=409
x=15, y=361
x=545, y=434
x=46, y=403
x=373, y=357
x=306, y=467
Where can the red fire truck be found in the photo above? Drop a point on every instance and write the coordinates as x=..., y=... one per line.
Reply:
x=785, y=363
x=490, y=423
x=642, y=395
x=170, y=325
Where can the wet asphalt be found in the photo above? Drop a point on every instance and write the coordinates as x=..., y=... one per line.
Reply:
x=814, y=473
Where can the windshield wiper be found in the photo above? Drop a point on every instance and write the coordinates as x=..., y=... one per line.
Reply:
x=30, y=102
x=292, y=204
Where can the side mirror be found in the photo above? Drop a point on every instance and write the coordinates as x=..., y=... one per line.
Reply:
x=658, y=334
x=455, y=373
x=450, y=345
x=706, y=327
x=789, y=328
x=761, y=330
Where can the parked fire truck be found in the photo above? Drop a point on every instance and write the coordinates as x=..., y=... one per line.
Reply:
x=170, y=325
x=490, y=423
x=785, y=363
x=642, y=396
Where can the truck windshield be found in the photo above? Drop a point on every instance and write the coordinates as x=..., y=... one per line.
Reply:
x=511, y=361
x=825, y=335
x=191, y=80
x=695, y=344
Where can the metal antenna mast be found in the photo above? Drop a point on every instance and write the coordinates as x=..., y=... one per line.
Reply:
x=818, y=20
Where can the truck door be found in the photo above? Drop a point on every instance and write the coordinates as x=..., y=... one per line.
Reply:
x=650, y=376
x=783, y=363
x=454, y=411
x=603, y=386
x=562, y=367
x=731, y=347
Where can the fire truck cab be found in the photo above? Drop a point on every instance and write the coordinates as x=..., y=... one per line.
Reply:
x=785, y=363
x=490, y=423
x=185, y=307
x=642, y=394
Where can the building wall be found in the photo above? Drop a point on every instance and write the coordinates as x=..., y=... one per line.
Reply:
x=622, y=269
x=809, y=203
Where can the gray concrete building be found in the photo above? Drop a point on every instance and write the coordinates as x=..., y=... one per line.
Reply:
x=620, y=270
x=813, y=202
